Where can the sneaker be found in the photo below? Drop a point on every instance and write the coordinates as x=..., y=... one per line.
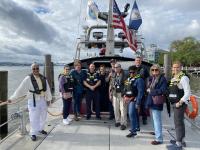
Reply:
x=156, y=142
x=43, y=132
x=131, y=134
x=33, y=137
x=69, y=119
x=98, y=118
x=76, y=118
x=174, y=147
x=174, y=142
x=65, y=122
x=117, y=124
x=88, y=117
x=123, y=127
x=144, y=122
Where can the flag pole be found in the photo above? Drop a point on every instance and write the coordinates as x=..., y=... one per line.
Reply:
x=110, y=32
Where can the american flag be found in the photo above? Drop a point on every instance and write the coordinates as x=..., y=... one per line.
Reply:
x=118, y=22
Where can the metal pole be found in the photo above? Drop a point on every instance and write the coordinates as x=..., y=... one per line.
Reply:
x=23, y=130
x=52, y=74
x=3, y=97
x=110, y=32
x=167, y=66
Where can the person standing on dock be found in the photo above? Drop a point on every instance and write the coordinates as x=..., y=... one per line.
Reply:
x=143, y=72
x=92, y=83
x=78, y=76
x=133, y=94
x=66, y=88
x=179, y=94
x=156, y=88
x=37, y=91
x=119, y=105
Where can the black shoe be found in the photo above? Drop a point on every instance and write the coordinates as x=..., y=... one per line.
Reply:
x=123, y=127
x=88, y=117
x=144, y=122
x=98, y=118
x=117, y=124
x=174, y=142
x=111, y=117
x=33, y=137
x=131, y=134
x=43, y=132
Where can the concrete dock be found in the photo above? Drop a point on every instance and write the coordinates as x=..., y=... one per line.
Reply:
x=97, y=135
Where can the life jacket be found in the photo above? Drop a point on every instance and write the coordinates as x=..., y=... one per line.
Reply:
x=92, y=78
x=130, y=90
x=36, y=87
x=175, y=94
x=69, y=82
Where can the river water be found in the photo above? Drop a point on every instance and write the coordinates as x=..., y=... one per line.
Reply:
x=17, y=73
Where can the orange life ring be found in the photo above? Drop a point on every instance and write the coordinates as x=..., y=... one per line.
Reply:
x=192, y=114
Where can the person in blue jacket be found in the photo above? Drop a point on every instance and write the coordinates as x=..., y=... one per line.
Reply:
x=157, y=86
x=133, y=94
x=78, y=76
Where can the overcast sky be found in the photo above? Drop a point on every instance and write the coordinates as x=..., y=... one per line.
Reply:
x=31, y=28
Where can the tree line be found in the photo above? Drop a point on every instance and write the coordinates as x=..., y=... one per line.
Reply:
x=186, y=50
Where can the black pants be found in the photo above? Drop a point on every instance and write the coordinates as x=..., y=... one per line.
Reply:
x=179, y=122
x=93, y=96
x=66, y=107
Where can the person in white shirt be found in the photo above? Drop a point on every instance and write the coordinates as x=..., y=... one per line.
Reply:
x=179, y=94
x=37, y=91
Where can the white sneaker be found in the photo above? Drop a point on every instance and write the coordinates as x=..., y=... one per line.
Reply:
x=65, y=122
x=69, y=119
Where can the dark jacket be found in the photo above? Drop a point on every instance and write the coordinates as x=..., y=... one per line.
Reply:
x=159, y=89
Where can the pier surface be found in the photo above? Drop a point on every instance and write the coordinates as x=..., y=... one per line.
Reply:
x=98, y=135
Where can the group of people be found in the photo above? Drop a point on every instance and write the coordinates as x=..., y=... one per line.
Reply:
x=128, y=96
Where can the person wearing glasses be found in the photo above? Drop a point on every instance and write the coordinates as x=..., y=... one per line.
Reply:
x=37, y=91
x=133, y=94
x=120, y=107
x=66, y=88
x=156, y=88
x=179, y=94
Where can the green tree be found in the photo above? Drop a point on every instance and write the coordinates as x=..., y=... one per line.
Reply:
x=187, y=51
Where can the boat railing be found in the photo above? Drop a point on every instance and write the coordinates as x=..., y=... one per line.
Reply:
x=21, y=114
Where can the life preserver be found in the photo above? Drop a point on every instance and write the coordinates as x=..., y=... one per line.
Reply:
x=192, y=114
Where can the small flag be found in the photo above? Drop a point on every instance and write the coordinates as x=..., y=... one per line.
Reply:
x=135, y=18
x=92, y=10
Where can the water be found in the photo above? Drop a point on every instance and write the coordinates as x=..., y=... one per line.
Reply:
x=17, y=73
x=15, y=76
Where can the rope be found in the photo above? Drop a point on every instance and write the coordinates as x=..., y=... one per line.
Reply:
x=54, y=114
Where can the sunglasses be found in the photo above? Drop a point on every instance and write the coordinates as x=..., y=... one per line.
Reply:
x=154, y=69
x=67, y=69
x=35, y=69
x=131, y=72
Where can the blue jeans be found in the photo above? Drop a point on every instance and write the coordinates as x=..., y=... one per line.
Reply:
x=157, y=123
x=77, y=102
x=134, y=118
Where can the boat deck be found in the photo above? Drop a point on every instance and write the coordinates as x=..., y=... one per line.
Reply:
x=97, y=135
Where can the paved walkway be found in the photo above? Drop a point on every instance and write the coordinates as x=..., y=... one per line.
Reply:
x=97, y=135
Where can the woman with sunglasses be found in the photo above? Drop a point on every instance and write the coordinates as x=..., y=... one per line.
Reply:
x=157, y=86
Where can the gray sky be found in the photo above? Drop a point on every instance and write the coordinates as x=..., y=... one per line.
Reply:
x=31, y=28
